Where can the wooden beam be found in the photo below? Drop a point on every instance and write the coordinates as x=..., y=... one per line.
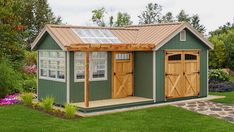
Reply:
x=112, y=47
x=86, y=88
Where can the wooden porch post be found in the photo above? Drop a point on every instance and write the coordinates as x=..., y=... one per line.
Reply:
x=86, y=90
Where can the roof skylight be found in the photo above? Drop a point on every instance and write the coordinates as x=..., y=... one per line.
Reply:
x=96, y=36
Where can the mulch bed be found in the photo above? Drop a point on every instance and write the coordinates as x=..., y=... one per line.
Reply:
x=54, y=112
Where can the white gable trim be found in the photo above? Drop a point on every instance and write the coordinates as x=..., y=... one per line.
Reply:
x=190, y=28
x=44, y=30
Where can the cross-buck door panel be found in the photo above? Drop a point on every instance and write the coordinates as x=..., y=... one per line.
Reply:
x=182, y=74
x=122, y=69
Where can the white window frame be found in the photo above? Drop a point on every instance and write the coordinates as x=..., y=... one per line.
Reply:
x=90, y=69
x=53, y=59
x=183, y=35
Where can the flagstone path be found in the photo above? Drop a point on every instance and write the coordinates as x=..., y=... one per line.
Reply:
x=218, y=110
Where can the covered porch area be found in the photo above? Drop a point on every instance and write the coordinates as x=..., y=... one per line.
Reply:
x=122, y=77
x=108, y=104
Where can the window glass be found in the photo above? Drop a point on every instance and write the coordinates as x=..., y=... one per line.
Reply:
x=174, y=57
x=97, y=65
x=52, y=65
x=52, y=73
x=43, y=72
x=96, y=35
x=190, y=57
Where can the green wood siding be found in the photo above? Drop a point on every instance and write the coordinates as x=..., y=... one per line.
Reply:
x=192, y=42
x=47, y=43
x=50, y=87
x=97, y=89
x=143, y=74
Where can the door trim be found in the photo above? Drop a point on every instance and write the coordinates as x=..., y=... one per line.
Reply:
x=113, y=53
x=183, y=61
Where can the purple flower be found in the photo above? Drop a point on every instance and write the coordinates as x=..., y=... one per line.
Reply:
x=9, y=99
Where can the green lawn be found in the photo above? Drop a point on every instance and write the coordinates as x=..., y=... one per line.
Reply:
x=167, y=118
x=229, y=99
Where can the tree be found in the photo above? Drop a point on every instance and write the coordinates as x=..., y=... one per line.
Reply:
x=123, y=19
x=10, y=40
x=98, y=16
x=217, y=57
x=34, y=15
x=223, y=29
x=195, y=22
x=167, y=18
x=229, y=49
x=183, y=17
x=152, y=14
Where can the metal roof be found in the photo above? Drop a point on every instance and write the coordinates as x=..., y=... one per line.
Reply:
x=157, y=34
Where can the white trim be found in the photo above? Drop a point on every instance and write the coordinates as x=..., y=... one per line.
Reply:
x=68, y=75
x=46, y=29
x=91, y=73
x=183, y=35
x=190, y=28
x=207, y=61
x=154, y=76
x=37, y=74
x=56, y=59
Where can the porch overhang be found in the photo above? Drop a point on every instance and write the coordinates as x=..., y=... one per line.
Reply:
x=111, y=47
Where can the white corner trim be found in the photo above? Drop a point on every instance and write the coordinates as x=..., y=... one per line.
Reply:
x=154, y=76
x=68, y=76
x=37, y=73
x=190, y=28
x=207, y=61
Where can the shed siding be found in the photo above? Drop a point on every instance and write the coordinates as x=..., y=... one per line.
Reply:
x=143, y=75
x=49, y=87
x=97, y=89
x=52, y=88
x=192, y=42
x=47, y=43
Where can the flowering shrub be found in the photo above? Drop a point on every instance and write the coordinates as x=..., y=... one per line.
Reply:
x=218, y=75
x=10, y=99
x=32, y=69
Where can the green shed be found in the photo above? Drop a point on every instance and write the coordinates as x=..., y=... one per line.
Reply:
x=97, y=68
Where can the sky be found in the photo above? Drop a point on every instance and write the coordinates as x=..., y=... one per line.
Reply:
x=213, y=13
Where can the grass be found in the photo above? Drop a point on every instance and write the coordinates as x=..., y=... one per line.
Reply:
x=167, y=118
x=229, y=97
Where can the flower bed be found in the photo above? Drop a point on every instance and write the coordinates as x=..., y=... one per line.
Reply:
x=9, y=99
x=54, y=112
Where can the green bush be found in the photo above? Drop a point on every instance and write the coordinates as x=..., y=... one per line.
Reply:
x=27, y=98
x=219, y=75
x=29, y=84
x=70, y=111
x=10, y=79
x=30, y=58
x=47, y=103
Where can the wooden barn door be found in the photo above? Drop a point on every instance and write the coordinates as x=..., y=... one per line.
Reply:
x=122, y=71
x=182, y=74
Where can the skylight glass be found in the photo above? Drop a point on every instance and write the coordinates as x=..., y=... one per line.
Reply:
x=96, y=36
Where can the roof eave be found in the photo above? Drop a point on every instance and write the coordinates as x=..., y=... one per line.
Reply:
x=183, y=26
x=43, y=31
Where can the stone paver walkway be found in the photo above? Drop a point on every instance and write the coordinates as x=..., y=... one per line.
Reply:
x=218, y=110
